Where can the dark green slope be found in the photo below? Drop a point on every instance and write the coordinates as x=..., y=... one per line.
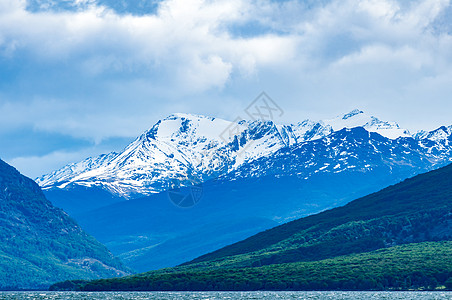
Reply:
x=414, y=266
x=40, y=244
x=398, y=238
x=415, y=210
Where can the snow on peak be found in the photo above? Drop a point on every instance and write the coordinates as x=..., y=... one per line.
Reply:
x=351, y=114
x=187, y=116
x=441, y=134
x=183, y=146
x=178, y=147
x=358, y=118
x=189, y=126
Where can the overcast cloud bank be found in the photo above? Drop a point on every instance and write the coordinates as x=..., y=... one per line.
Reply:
x=89, y=72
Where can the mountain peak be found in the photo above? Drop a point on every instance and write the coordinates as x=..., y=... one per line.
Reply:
x=183, y=125
x=181, y=145
x=187, y=116
x=357, y=118
x=443, y=133
x=352, y=114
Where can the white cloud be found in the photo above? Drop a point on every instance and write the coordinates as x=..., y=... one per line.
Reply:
x=35, y=166
x=78, y=119
x=381, y=54
x=185, y=47
x=181, y=32
x=93, y=73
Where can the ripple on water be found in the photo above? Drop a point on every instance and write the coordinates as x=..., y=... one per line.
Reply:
x=226, y=295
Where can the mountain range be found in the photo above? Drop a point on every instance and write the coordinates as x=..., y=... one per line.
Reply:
x=191, y=149
x=41, y=244
x=397, y=238
x=193, y=184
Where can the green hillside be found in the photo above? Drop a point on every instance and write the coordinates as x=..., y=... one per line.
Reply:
x=40, y=244
x=413, y=266
x=415, y=210
x=398, y=238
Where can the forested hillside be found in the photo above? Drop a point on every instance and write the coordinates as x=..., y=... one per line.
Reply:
x=40, y=244
x=398, y=238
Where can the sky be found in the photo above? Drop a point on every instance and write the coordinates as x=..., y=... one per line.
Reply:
x=83, y=77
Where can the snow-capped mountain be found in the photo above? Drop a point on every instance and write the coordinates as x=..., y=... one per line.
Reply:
x=347, y=150
x=357, y=118
x=267, y=174
x=187, y=149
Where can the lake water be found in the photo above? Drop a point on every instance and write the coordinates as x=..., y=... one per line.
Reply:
x=225, y=295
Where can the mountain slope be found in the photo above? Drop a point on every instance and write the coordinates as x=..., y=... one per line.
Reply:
x=422, y=266
x=397, y=238
x=257, y=170
x=267, y=191
x=40, y=243
x=417, y=209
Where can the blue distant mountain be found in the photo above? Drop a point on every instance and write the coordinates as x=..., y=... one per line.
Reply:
x=399, y=238
x=233, y=179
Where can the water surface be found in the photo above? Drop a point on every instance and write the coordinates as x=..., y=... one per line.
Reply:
x=225, y=295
